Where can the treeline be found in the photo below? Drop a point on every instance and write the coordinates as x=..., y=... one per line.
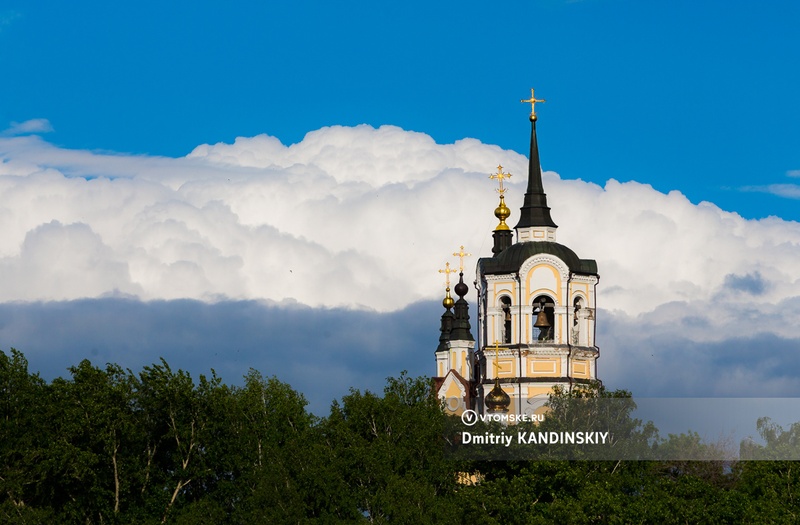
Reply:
x=110, y=446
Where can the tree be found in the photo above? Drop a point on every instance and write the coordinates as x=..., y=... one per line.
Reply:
x=23, y=437
x=390, y=452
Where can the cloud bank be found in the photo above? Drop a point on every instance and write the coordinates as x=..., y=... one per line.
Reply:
x=321, y=352
x=350, y=216
x=359, y=219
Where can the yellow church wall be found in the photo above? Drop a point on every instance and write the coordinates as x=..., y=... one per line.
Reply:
x=544, y=367
x=544, y=291
x=542, y=278
x=582, y=287
x=580, y=368
x=458, y=360
x=504, y=288
x=454, y=399
x=507, y=368
x=453, y=391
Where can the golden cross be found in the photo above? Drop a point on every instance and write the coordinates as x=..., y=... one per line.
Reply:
x=497, y=356
x=500, y=176
x=461, y=256
x=532, y=101
x=447, y=271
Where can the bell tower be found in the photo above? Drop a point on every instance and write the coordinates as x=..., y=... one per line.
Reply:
x=536, y=298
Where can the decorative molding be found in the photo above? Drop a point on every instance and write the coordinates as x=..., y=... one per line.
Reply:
x=545, y=258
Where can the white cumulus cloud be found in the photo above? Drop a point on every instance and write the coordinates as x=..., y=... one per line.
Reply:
x=351, y=217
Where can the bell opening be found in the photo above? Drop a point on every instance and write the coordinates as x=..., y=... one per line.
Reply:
x=544, y=319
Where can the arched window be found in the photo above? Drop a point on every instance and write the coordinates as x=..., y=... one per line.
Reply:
x=575, y=333
x=505, y=304
x=543, y=319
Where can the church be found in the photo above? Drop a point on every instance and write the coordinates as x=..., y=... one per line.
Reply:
x=535, y=313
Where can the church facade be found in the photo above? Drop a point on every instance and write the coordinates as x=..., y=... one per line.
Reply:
x=535, y=313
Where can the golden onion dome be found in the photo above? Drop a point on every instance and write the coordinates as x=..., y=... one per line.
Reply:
x=497, y=400
x=502, y=213
x=448, y=301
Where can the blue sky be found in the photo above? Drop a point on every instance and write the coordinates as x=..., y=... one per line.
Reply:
x=694, y=97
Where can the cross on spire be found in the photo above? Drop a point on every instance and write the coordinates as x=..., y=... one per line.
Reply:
x=500, y=176
x=447, y=271
x=461, y=256
x=532, y=101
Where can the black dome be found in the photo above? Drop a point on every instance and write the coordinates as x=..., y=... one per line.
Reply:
x=512, y=258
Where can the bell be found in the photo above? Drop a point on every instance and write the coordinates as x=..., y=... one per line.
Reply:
x=541, y=320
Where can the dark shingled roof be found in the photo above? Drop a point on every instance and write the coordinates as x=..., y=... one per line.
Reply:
x=511, y=259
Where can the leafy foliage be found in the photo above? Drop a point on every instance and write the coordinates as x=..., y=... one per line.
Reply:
x=109, y=446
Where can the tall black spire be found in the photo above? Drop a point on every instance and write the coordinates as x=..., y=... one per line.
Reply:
x=534, y=211
x=447, y=317
x=461, y=328
x=446, y=328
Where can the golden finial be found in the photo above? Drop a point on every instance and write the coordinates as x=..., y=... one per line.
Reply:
x=448, y=301
x=500, y=176
x=532, y=101
x=461, y=256
x=502, y=213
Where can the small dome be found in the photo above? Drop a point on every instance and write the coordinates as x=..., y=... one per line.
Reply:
x=502, y=213
x=448, y=301
x=497, y=400
x=461, y=289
